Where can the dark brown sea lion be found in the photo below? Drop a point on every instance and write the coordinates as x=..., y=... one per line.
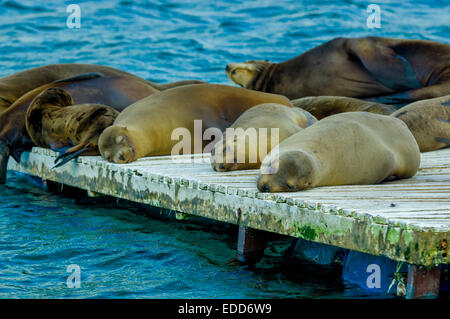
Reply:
x=323, y=106
x=53, y=121
x=245, y=144
x=348, y=148
x=392, y=71
x=117, y=92
x=146, y=127
x=429, y=122
x=14, y=86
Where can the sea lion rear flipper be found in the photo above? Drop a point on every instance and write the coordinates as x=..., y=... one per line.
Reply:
x=81, y=77
x=4, y=155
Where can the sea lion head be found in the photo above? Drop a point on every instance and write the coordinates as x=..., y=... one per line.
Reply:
x=53, y=96
x=233, y=153
x=116, y=145
x=289, y=172
x=245, y=73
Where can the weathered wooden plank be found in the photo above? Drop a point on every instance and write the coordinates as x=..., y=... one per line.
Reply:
x=405, y=220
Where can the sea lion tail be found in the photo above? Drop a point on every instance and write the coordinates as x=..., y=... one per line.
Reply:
x=67, y=157
x=4, y=155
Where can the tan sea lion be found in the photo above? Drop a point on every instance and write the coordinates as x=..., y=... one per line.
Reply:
x=348, y=148
x=428, y=121
x=248, y=145
x=117, y=92
x=392, y=71
x=145, y=128
x=14, y=86
x=323, y=106
x=53, y=121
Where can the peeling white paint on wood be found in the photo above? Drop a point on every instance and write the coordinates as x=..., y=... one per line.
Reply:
x=401, y=219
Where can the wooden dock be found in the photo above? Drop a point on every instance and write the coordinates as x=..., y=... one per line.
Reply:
x=405, y=220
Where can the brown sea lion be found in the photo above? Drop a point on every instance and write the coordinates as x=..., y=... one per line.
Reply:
x=323, y=106
x=53, y=121
x=14, y=86
x=117, y=92
x=146, y=127
x=392, y=71
x=253, y=135
x=428, y=121
x=348, y=148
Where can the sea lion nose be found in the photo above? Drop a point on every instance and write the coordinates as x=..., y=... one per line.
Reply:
x=228, y=69
x=265, y=188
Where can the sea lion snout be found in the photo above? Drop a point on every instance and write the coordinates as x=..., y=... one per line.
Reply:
x=295, y=171
x=244, y=73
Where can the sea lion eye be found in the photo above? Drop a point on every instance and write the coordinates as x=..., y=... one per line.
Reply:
x=119, y=139
x=290, y=187
x=233, y=72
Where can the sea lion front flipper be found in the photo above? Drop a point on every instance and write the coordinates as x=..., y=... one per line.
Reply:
x=384, y=64
x=81, y=77
x=67, y=157
x=4, y=155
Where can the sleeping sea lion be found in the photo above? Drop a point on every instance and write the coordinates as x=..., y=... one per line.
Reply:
x=428, y=121
x=146, y=127
x=253, y=136
x=52, y=120
x=348, y=148
x=117, y=92
x=323, y=106
x=392, y=71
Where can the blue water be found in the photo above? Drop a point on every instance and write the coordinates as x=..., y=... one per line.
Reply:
x=124, y=254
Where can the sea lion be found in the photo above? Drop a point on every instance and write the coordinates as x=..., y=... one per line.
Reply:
x=392, y=71
x=146, y=127
x=117, y=92
x=53, y=121
x=348, y=148
x=429, y=122
x=253, y=137
x=323, y=106
x=14, y=86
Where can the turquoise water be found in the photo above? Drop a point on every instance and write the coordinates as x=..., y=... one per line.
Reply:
x=124, y=254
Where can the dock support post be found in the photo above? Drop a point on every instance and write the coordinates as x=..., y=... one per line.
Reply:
x=423, y=282
x=251, y=245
